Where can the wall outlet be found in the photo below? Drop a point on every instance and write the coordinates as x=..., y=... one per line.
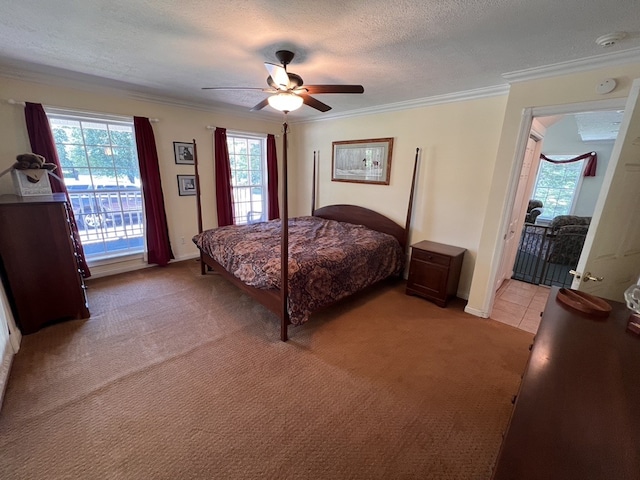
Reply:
x=182, y=240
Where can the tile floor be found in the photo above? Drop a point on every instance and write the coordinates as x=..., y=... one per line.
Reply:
x=520, y=304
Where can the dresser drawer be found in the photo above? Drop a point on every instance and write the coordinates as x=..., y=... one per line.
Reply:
x=431, y=257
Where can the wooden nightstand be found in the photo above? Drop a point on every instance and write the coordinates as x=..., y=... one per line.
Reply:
x=434, y=271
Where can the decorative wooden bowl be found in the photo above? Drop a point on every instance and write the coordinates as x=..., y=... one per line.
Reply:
x=583, y=302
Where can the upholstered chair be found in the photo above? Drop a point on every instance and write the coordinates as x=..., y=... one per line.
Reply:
x=534, y=209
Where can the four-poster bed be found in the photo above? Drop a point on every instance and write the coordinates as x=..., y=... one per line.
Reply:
x=373, y=247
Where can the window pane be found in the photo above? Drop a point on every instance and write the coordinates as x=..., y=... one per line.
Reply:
x=100, y=157
x=122, y=135
x=126, y=164
x=100, y=168
x=256, y=177
x=256, y=162
x=241, y=178
x=66, y=131
x=247, y=160
x=556, y=186
x=95, y=134
x=239, y=145
x=71, y=155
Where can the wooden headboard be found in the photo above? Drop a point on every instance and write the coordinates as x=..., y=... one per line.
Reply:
x=363, y=216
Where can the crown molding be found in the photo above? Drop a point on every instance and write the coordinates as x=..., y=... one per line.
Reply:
x=93, y=85
x=467, y=95
x=574, y=66
x=241, y=112
x=96, y=85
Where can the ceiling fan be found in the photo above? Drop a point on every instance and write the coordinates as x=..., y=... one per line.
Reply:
x=288, y=91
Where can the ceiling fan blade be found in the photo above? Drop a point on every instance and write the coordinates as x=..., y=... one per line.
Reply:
x=313, y=103
x=260, y=106
x=334, y=88
x=278, y=74
x=234, y=88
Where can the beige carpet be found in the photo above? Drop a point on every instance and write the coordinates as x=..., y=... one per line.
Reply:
x=181, y=376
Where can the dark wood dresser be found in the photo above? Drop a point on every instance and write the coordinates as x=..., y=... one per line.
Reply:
x=38, y=261
x=434, y=271
x=577, y=413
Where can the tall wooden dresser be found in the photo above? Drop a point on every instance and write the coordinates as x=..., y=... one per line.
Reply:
x=38, y=261
x=577, y=414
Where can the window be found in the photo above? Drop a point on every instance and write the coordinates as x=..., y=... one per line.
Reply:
x=100, y=167
x=247, y=157
x=557, y=185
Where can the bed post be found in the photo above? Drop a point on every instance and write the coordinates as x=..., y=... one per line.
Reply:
x=313, y=186
x=284, y=244
x=410, y=207
x=198, y=201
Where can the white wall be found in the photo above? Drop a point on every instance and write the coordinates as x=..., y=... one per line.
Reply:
x=562, y=90
x=458, y=143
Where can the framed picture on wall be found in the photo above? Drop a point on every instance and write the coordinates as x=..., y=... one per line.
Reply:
x=183, y=153
x=362, y=161
x=186, y=185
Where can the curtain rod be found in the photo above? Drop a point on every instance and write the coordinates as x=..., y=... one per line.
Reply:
x=11, y=101
x=213, y=127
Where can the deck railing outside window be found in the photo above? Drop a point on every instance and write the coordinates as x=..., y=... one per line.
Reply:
x=109, y=220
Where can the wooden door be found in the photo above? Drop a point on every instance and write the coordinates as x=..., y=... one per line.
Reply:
x=610, y=259
x=516, y=221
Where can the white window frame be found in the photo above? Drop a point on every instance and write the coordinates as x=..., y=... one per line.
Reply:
x=104, y=234
x=545, y=216
x=241, y=215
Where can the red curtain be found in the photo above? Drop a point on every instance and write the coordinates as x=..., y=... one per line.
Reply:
x=224, y=203
x=42, y=143
x=272, y=178
x=590, y=169
x=158, y=245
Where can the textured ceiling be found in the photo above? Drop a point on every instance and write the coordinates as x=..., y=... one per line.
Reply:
x=400, y=51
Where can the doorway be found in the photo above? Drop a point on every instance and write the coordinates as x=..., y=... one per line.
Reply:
x=563, y=195
x=547, y=126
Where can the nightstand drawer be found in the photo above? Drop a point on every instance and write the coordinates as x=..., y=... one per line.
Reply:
x=431, y=257
x=434, y=271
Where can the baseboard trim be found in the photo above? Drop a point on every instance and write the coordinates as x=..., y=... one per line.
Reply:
x=115, y=268
x=106, y=270
x=476, y=312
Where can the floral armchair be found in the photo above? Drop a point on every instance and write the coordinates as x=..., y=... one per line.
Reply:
x=534, y=209
x=567, y=233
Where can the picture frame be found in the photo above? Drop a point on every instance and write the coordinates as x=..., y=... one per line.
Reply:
x=186, y=185
x=362, y=161
x=183, y=153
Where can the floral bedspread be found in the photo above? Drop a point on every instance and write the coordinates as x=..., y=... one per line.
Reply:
x=328, y=260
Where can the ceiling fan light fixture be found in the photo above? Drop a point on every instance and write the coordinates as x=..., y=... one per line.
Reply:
x=285, y=102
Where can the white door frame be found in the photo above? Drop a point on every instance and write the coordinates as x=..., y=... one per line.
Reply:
x=526, y=123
